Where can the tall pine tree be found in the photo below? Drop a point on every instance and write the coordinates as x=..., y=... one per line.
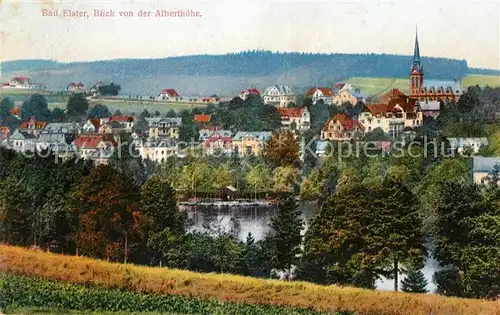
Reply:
x=285, y=237
x=414, y=282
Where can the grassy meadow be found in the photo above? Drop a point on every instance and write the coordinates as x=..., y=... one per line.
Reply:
x=230, y=288
x=48, y=311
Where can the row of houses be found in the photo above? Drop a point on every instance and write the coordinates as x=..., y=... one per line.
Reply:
x=21, y=82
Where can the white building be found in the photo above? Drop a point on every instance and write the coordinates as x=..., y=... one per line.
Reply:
x=320, y=93
x=460, y=145
x=278, y=95
x=297, y=119
x=348, y=94
x=392, y=118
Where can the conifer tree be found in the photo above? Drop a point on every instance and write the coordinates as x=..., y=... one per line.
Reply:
x=414, y=282
x=286, y=238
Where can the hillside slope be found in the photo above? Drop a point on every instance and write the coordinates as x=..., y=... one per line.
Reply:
x=227, y=288
x=229, y=73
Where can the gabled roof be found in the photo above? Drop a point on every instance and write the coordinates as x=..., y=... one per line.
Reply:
x=436, y=84
x=61, y=127
x=377, y=109
x=281, y=88
x=174, y=121
x=290, y=112
x=93, y=141
x=21, y=135
x=326, y=91
x=96, y=122
x=391, y=94
x=347, y=122
x=216, y=137
x=170, y=92
x=121, y=119
x=202, y=118
x=260, y=135
x=38, y=124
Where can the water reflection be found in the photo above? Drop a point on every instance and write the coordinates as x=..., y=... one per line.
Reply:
x=239, y=221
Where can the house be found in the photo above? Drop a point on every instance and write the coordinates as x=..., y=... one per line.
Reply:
x=295, y=118
x=64, y=128
x=76, y=87
x=91, y=125
x=55, y=142
x=21, y=82
x=430, y=90
x=348, y=94
x=341, y=128
x=161, y=127
x=211, y=99
x=430, y=108
x=392, y=118
x=202, y=118
x=250, y=142
x=127, y=122
x=22, y=141
x=4, y=132
x=168, y=94
x=94, y=89
x=245, y=93
x=204, y=134
x=320, y=93
x=472, y=145
x=33, y=126
x=391, y=95
x=15, y=111
x=96, y=147
x=218, y=144
x=278, y=95
x=158, y=150
x=482, y=166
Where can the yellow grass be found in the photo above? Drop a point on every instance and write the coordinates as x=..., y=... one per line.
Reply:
x=80, y=270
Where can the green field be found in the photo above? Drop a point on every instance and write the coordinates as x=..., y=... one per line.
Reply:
x=125, y=106
x=375, y=87
x=47, y=311
x=481, y=80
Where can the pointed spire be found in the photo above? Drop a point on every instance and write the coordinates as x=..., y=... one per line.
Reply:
x=416, y=51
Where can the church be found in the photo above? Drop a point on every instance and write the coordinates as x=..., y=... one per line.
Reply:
x=430, y=90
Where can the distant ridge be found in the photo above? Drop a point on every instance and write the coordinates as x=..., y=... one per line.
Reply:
x=229, y=73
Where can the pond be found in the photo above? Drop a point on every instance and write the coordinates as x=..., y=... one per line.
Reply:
x=243, y=220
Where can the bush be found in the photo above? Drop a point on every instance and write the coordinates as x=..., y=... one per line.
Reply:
x=22, y=291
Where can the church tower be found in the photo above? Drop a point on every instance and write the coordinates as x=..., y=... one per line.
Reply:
x=416, y=71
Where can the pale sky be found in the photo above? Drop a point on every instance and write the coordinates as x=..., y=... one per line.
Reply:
x=455, y=29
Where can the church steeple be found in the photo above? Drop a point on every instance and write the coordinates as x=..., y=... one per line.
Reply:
x=416, y=50
x=416, y=71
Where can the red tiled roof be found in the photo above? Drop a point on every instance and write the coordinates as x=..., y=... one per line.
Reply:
x=347, y=122
x=253, y=91
x=407, y=104
x=217, y=137
x=38, y=124
x=170, y=92
x=121, y=119
x=202, y=118
x=326, y=91
x=339, y=85
x=290, y=112
x=95, y=121
x=5, y=84
x=15, y=111
x=378, y=109
x=92, y=141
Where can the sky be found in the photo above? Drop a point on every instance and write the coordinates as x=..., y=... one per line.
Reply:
x=454, y=29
